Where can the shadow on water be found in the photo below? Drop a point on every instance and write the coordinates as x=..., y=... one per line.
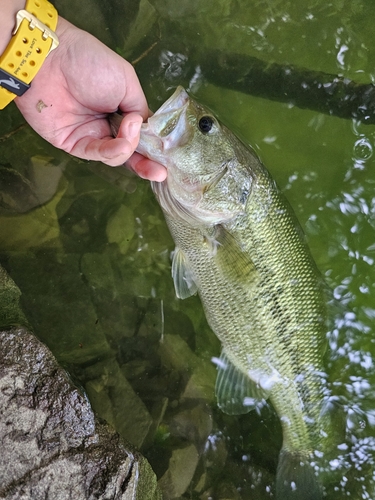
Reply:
x=90, y=251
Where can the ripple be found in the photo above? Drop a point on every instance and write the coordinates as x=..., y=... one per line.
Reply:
x=362, y=149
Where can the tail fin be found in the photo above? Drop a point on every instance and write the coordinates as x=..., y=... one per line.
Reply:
x=295, y=478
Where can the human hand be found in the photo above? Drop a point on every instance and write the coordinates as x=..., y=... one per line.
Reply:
x=69, y=100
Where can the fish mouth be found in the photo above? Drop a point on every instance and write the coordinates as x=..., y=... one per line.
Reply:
x=177, y=100
x=165, y=129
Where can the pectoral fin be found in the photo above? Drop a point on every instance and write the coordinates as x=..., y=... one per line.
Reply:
x=236, y=393
x=235, y=262
x=183, y=275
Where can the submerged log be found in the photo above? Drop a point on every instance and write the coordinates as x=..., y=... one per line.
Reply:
x=315, y=90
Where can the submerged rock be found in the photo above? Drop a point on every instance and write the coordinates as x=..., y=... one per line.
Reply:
x=182, y=466
x=52, y=446
x=10, y=312
x=114, y=399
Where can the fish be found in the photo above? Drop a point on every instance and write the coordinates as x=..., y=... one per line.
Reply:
x=240, y=247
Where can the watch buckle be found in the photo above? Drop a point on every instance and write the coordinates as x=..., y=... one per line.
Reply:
x=35, y=23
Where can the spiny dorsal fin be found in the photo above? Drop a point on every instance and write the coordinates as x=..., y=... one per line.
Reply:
x=183, y=276
x=236, y=393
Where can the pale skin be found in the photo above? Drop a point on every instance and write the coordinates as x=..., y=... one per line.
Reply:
x=79, y=84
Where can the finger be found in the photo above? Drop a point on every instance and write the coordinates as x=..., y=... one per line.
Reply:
x=111, y=151
x=147, y=169
x=130, y=128
x=134, y=98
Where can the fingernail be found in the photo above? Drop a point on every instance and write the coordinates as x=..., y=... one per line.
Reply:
x=133, y=129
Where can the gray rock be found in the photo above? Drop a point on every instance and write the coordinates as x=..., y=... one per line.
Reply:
x=51, y=444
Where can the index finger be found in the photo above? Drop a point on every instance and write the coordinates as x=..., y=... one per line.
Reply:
x=134, y=99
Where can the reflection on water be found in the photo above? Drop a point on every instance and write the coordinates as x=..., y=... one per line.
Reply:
x=93, y=261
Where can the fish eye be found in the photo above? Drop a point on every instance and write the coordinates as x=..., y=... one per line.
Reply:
x=205, y=124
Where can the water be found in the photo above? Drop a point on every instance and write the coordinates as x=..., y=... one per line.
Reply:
x=93, y=260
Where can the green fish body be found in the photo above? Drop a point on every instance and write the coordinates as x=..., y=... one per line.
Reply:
x=240, y=247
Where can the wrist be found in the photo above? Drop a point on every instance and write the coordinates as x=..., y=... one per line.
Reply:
x=9, y=9
x=32, y=38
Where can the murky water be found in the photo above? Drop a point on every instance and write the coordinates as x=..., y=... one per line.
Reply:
x=93, y=264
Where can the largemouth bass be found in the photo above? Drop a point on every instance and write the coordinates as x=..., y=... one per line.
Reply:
x=239, y=245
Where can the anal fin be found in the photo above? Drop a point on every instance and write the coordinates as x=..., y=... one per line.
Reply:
x=295, y=478
x=236, y=393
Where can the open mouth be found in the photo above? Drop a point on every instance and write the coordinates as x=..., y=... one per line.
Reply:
x=177, y=100
x=165, y=119
x=166, y=127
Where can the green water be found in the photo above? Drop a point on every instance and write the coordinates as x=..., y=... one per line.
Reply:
x=92, y=261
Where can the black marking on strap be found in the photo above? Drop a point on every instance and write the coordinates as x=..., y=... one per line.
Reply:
x=12, y=83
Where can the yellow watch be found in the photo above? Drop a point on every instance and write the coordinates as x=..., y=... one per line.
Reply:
x=33, y=39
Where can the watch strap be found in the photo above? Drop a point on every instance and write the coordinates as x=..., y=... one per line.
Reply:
x=33, y=39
